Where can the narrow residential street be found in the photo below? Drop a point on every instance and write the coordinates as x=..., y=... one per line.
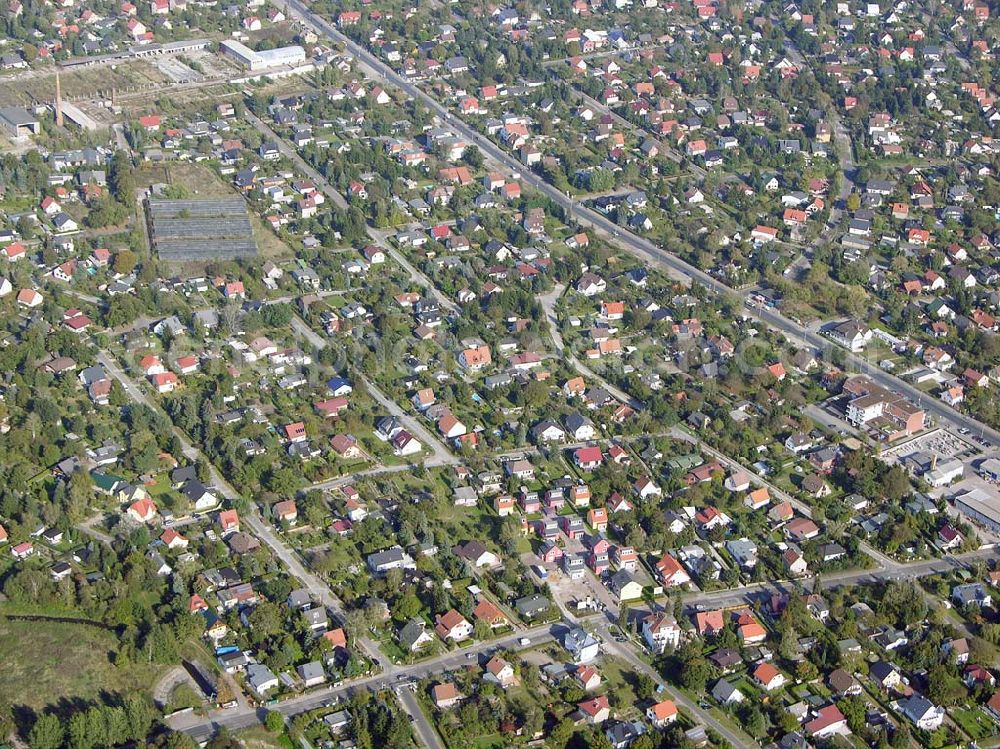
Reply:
x=289, y=152
x=317, y=588
x=418, y=277
x=201, y=727
x=88, y=526
x=440, y=455
x=601, y=625
x=424, y=730
x=641, y=247
x=548, y=302
x=776, y=493
x=627, y=654
x=244, y=716
x=379, y=237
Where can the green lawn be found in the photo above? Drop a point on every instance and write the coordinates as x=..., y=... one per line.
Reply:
x=619, y=678
x=974, y=722
x=261, y=738
x=492, y=741
x=165, y=497
x=63, y=660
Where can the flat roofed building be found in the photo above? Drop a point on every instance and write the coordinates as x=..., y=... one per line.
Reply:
x=265, y=59
x=980, y=506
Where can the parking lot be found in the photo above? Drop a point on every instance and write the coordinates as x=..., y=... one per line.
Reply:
x=940, y=442
x=828, y=416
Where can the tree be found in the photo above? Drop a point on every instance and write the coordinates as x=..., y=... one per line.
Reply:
x=944, y=687
x=599, y=740
x=754, y=721
x=79, y=732
x=601, y=180
x=481, y=629
x=900, y=738
x=174, y=740
x=623, y=616
x=274, y=721
x=139, y=715
x=26, y=227
x=125, y=262
x=224, y=740
x=854, y=710
x=122, y=179
x=106, y=212
x=788, y=645
x=47, y=733
x=695, y=670
x=473, y=157
x=645, y=687
x=561, y=734
x=643, y=742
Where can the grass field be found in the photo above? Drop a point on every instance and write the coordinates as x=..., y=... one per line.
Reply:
x=86, y=81
x=260, y=738
x=45, y=662
x=492, y=741
x=192, y=178
x=974, y=722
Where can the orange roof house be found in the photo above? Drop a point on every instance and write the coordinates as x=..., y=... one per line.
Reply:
x=709, y=623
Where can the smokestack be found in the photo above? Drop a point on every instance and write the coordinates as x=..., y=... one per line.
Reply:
x=59, y=114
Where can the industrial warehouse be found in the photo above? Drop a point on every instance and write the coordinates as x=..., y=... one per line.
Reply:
x=18, y=122
x=205, y=229
x=265, y=59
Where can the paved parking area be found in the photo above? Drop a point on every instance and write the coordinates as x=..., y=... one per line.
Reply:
x=828, y=416
x=940, y=442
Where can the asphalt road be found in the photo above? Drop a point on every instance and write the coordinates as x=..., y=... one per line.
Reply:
x=638, y=246
x=201, y=727
x=421, y=726
x=601, y=625
x=243, y=716
x=440, y=455
x=776, y=493
x=625, y=652
x=334, y=195
x=914, y=571
x=548, y=302
x=316, y=586
x=292, y=155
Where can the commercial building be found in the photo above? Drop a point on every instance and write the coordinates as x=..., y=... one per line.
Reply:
x=889, y=415
x=980, y=507
x=989, y=469
x=944, y=473
x=265, y=59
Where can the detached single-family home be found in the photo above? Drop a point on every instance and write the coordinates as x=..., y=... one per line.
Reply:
x=453, y=626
